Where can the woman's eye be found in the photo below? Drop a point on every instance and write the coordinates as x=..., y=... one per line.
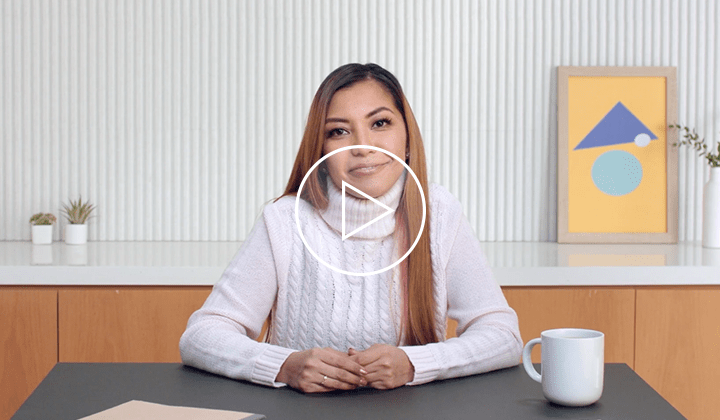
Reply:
x=381, y=123
x=335, y=132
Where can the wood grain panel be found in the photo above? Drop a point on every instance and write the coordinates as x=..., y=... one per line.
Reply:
x=610, y=310
x=28, y=343
x=125, y=324
x=678, y=347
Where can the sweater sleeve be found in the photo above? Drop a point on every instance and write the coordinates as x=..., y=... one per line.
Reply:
x=220, y=336
x=488, y=333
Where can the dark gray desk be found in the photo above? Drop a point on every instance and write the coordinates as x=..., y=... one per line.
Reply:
x=71, y=391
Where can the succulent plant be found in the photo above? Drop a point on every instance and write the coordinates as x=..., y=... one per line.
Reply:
x=42, y=219
x=77, y=212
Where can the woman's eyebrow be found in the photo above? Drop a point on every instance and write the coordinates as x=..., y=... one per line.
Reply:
x=375, y=111
x=370, y=114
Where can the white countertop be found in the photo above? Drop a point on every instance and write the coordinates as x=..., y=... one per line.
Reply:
x=202, y=263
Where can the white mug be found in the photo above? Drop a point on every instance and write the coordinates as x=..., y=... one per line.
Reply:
x=572, y=365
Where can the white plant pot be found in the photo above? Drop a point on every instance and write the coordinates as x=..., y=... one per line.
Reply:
x=42, y=234
x=76, y=234
x=711, y=210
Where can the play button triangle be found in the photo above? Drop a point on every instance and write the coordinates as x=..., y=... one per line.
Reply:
x=388, y=210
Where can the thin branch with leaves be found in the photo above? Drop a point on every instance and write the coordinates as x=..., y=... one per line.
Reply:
x=692, y=139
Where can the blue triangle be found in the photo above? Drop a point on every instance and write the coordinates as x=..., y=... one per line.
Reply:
x=617, y=127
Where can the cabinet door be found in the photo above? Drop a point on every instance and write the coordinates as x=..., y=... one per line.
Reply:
x=609, y=310
x=28, y=343
x=678, y=347
x=128, y=324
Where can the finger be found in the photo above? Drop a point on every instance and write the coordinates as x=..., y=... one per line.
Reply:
x=315, y=388
x=334, y=352
x=378, y=375
x=350, y=378
x=379, y=385
x=331, y=383
x=387, y=373
x=382, y=380
x=322, y=383
x=343, y=361
x=367, y=357
x=385, y=379
x=381, y=364
x=355, y=357
x=335, y=365
x=311, y=386
x=340, y=372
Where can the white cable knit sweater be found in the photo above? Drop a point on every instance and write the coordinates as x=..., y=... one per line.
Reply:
x=314, y=306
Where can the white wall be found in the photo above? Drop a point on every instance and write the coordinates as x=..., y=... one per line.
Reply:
x=179, y=119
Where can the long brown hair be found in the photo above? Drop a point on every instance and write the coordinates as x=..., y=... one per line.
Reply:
x=418, y=325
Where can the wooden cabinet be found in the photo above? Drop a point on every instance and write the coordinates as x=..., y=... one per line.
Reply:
x=28, y=343
x=678, y=347
x=129, y=324
x=610, y=310
x=670, y=336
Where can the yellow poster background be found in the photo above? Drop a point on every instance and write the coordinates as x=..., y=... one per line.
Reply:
x=644, y=210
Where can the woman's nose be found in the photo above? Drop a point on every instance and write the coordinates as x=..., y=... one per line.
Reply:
x=362, y=138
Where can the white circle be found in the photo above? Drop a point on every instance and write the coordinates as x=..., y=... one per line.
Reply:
x=642, y=139
x=297, y=208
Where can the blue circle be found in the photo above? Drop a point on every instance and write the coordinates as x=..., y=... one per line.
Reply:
x=617, y=173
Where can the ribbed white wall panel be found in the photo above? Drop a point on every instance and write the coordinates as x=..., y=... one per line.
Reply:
x=180, y=118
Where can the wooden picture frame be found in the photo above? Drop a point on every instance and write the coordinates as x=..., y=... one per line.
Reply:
x=617, y=168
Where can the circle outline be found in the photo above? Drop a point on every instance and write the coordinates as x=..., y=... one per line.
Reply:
x=297, y=208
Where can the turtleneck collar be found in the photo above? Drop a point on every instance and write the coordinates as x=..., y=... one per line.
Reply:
x=361, y=211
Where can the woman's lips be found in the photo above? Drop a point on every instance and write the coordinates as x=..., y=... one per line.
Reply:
x=368, y=170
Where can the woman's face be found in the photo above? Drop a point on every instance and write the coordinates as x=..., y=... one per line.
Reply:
x=364, y=114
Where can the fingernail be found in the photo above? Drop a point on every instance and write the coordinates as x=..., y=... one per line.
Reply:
x=363, y=371
x=363, y=382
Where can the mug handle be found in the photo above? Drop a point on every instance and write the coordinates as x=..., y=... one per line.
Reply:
x=527, y=360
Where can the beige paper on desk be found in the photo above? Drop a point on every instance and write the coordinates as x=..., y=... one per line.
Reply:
x=141, y=410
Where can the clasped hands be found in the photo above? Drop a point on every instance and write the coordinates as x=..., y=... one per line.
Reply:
x=382, y=366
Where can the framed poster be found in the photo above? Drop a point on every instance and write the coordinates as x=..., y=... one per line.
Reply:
x=617, y=170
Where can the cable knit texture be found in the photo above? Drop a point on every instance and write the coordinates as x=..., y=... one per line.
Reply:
x=314, y=306
x=359, y=212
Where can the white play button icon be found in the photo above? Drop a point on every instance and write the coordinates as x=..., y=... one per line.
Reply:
x=388, y=210
x=344, y=236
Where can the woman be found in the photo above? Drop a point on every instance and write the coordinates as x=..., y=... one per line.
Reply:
x=334, y=331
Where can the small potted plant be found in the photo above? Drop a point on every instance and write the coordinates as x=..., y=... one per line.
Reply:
x=42, y=228
x=77, y=213
x=711, y=192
